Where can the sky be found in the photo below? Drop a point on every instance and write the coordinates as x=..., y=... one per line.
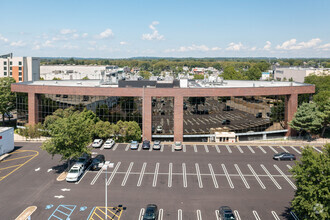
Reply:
x=166, y=28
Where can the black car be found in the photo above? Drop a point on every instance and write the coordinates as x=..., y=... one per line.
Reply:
x=226, y=213
x=284, y=156
x=85, y=160
x=99, y=159
x=146, y=145
x=259, y=115
x=225, y=122
x=151, y=212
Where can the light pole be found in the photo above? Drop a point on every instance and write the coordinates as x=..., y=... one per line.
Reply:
x=105, y=167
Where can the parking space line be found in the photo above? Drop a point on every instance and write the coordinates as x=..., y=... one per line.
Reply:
x=250, y=148
x=257, y=177
x=127, y=147
x=115, y=147
x=217, y=148
x=295, y=150
x=154, y=183
x=270, y=176
x=195, y=148
x=237, y=215
x=215, y=182
x=169, y=182
x=206, y=148
x=162, y=148
x=294, y=215
x=96, y=177
x=240, y=149
x=275, y=151
x=263, y=150
x=86, y=171
x=289, y=166
x=172, y=147
x=180, y=214
x=66, y=214
x=10, y=167
x=285, y=150
x=184, y=148
x=141, y=174
x=140, y=147
x=242, y=176
x=217, y=214
x=317, y=149
x=141, y=214
x=150, y=149
x=184, y=175
x=16, y=158
x=113, y=173
x=285, y=177
x=199, y=214
x=160, y=214
x=256, y=215
x=275, y=215
x=127, y=174
x=199, y=178
x=227, y=176
x=228, y=148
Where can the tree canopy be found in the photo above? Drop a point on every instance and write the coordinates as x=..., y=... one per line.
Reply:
x=7, y=98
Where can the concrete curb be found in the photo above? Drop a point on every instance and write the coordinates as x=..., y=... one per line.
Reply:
x=3, y=157
x=27, y=213
x=62, y=176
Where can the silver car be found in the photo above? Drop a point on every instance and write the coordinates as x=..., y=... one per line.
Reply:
x=134, y=145
x=156, y=145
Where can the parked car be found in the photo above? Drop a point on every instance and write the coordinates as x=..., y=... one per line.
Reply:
x=156, y=145
x=159, y=129
x=74, y=173
x=259, y=115
x=151, y=212
x=225, y=122
x=177, y=145
x=85, y=160
x=226, y=213
x=146, y=145
x=284, y=156
x=134, y=145
x=97, y=162
x=97, y=143
x=109, y=143
x=227, y=108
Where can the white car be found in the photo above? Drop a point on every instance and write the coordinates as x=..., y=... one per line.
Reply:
x=177, y=145
x=109, y=143
x=156, y=145
x=75, y=172
x=134, y=145
x=97, y=143
x=159, y=129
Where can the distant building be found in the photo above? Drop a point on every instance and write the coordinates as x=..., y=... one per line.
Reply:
x=298, y=74
x=22, y=69
x=265, y=75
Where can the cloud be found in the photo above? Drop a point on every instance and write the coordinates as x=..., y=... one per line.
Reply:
x=194, y=47
x=293, y=45
x=268, y=45
x=123, y=43
x=48, y=43
x=253, y=48
x=18, y=44
x=3, y=38
x=67, y=31
x=154, y=35
x=69, y=47
x=325, y=47
x=84, y=35
x=235, y=47
x=36, y=47
x=105, y=34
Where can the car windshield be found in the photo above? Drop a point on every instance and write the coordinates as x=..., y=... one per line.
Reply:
x=134, y=142
x=108, y=142
x=74, y=171
x=150, y=213
x=95, y=142
x=230, y=216
x=81, y=160
x=177, y=143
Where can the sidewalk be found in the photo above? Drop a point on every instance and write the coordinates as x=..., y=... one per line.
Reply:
x=19, y=138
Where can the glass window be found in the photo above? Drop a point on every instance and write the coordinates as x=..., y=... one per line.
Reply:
x=10, y=63
x=5, y=73
x=20, y=68
x=20, y=79
x=11, y=68
x=20, y=63
x=4, y=63
x=11, y=73
x=4, y=68
x=20, y=73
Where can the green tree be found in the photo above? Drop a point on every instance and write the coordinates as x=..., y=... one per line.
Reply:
x=31, y=131
x=263, y=66
x=312, y=175
x=7, y=98
x=145, y=74
x=230, y=73
x=254, y=73
x=104, y=130
x=57, y=78
x=85, y=78
x=322, y=99
x=128, y=130
x=197, y=76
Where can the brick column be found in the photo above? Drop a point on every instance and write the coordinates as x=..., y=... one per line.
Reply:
x=178, y=118
x=33, y=108
x=147, y=118
x=291, y=105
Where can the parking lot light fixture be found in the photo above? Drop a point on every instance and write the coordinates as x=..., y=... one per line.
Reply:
x=105, y=168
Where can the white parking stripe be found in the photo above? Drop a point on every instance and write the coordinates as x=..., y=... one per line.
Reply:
x=170, y=174
x=184, y=148
x=285, y=177
x=127, y=174
x=317, y=149
x=227, y=176
x=86, y=171
x=285, y=150
x=172, y=147
x=113, y=173
x=252, y=151
x=180, y=214
x=289, y=166
x=154, y=183
x=256, y=215
x=199, y=178
x=215, y=182
x=256, y=176
x=127, y=147
x=275, y=151
x=160, y=214
x=115, y=147
x=206, y=148
x=228, y=148
x=294, y=215
x=162, y=148
x=262, y=149
x=270, y=176
x=96, y=176
x=237, y=215
x=140, y=147
x=150, y=148
x=275, y=215
x=141, y=174
x=184, y=175
x=217, y=148
x=195, y=148
x=295, y=150
x=217, y=214
x=141, y=214
x=240, y=149
x=242, y=176
x=199, y=215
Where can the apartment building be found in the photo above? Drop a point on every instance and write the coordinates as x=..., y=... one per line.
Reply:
x=22, y=69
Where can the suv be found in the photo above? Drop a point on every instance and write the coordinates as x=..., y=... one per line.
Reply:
x=226, y=213
x=97, y=143
x=74, y=173
x=97, y=162
x=151, y=212
x=146, y=145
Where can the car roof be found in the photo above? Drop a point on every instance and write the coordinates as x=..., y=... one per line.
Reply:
x=77, y=166
x=97, y=139
x=134, y=142
x=225, y=208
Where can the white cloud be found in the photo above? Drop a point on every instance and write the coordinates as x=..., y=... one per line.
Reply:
x=253, y=48
x=75, y=36
x=154, y=35
x=325, y=47
x=48, y=43
x=235, y=47
x=36, y=47
x=69, y=47
x=293, y=45
x=123, y=43
x=67, y=31
x=84, y=35
x=18, y=44
x=216, y=48
x=268, y=45
x=3, y=38
x=194, y=47
x=105, y=34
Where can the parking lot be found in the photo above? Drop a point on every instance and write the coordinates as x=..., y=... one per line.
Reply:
x=188, y=184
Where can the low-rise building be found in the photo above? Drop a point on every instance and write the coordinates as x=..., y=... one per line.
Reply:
x=298, y=74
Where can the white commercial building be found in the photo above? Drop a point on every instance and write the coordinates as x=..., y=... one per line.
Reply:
x=298, y=74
